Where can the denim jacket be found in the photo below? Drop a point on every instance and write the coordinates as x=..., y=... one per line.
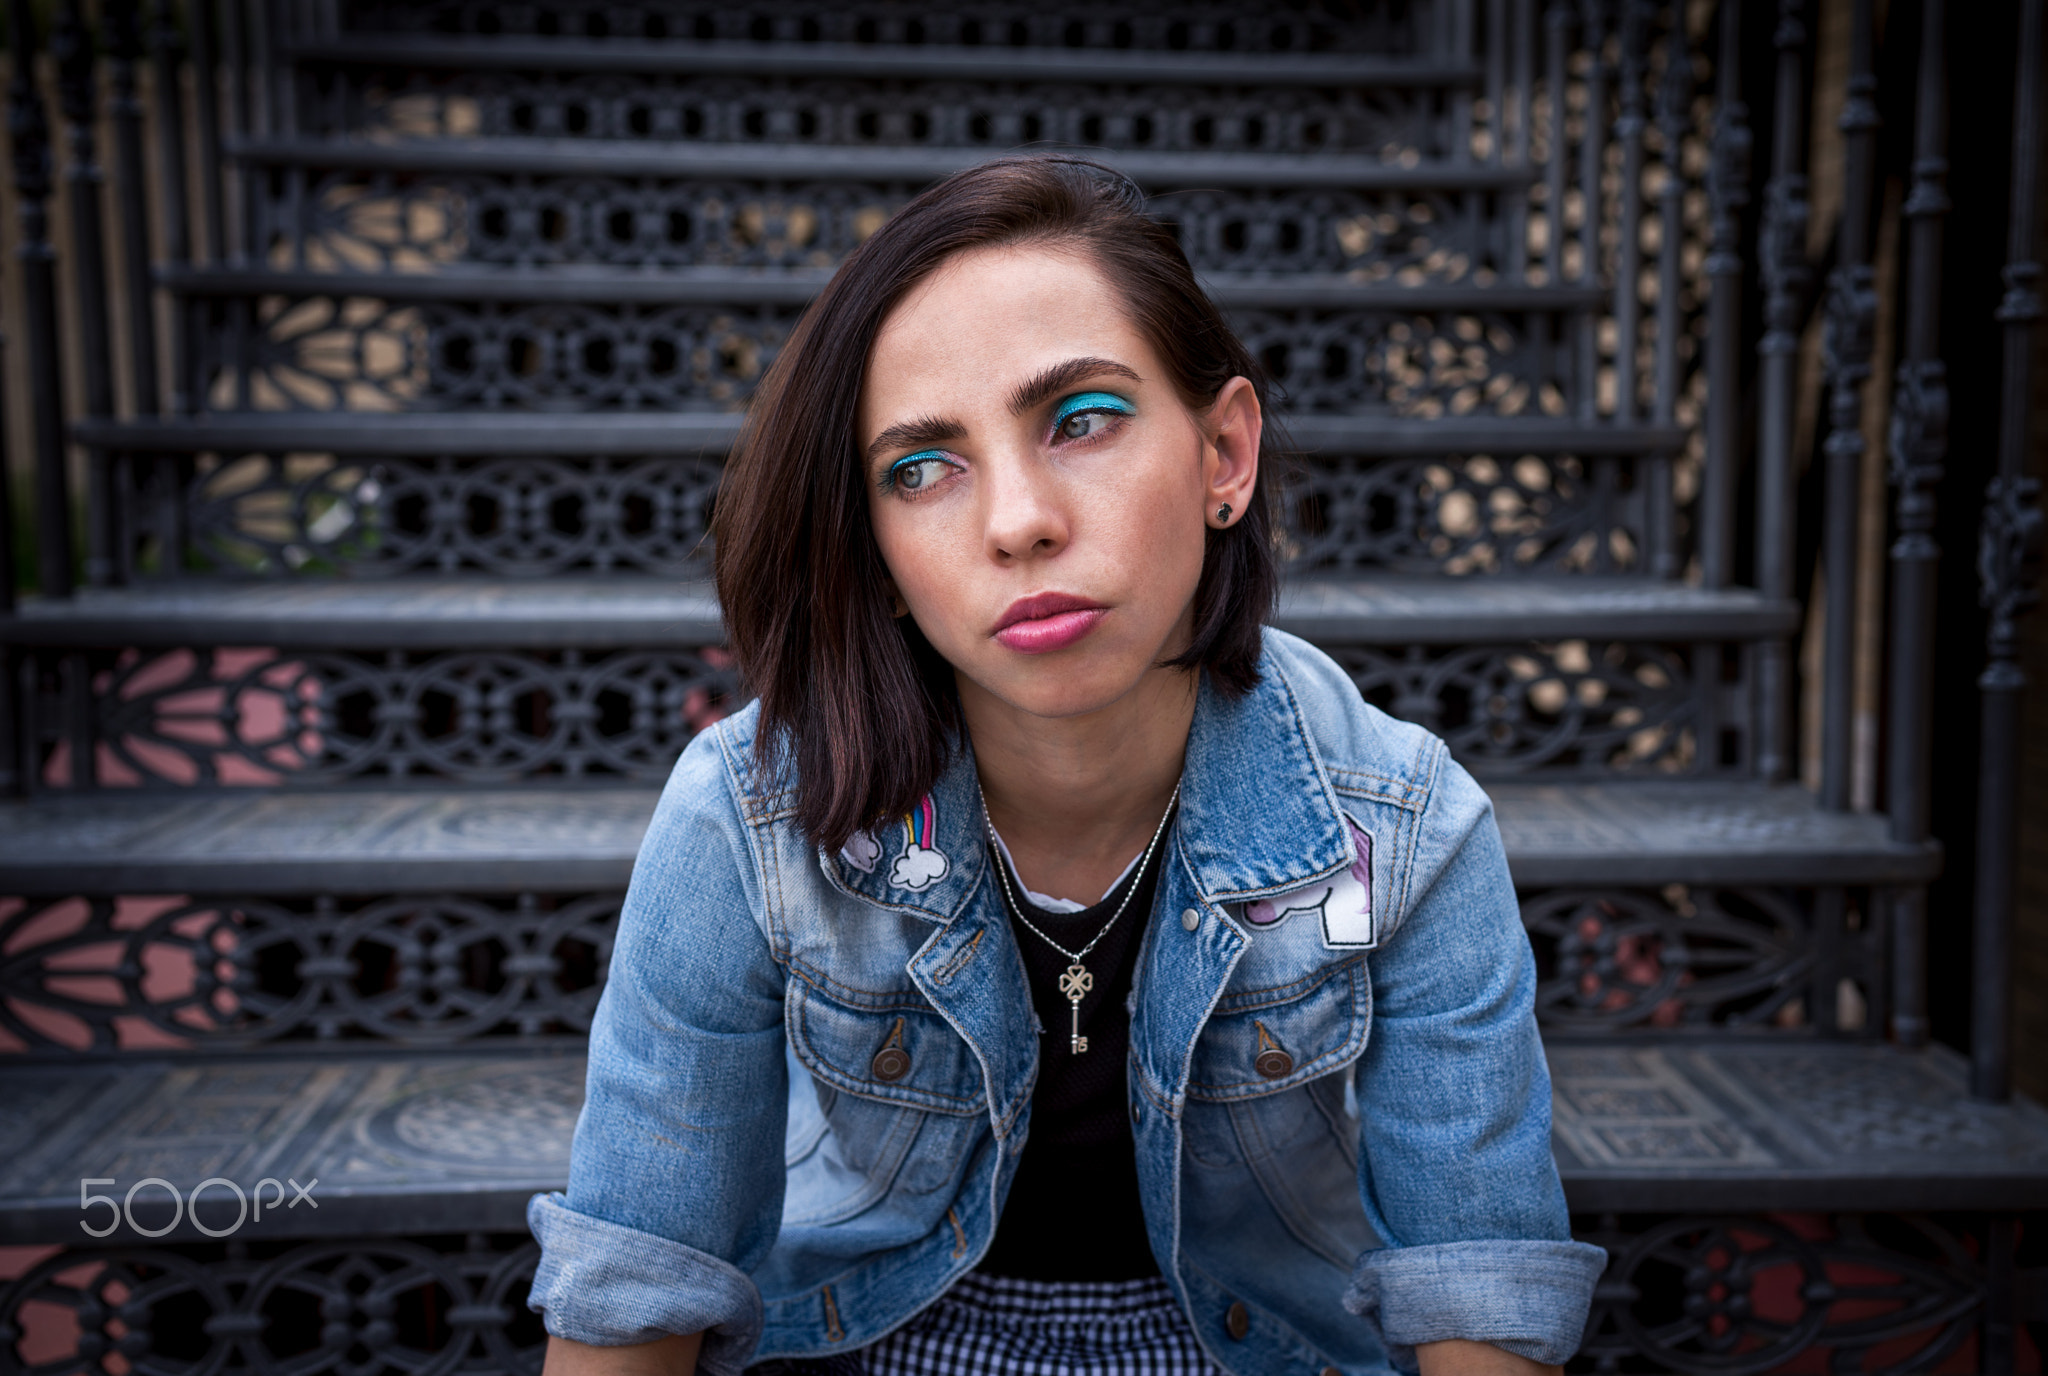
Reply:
x=1340, y=1104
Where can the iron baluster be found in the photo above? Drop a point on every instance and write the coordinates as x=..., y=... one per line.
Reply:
x=1782, y=258
x=131, y=187
x=206, y=77
x=1592, y=154
x=29, y=134
x=1557, y=23
x=1849, y=334
x=1919, y=447
x=71, y=44
x=2008, y=567
x=1728, y=194
x=1674, y=95
x=167, y=52
x=1629, y=126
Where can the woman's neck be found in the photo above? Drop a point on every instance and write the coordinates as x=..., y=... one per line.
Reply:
x=1075, y=798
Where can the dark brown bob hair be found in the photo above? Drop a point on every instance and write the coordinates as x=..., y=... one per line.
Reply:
x=855, y=701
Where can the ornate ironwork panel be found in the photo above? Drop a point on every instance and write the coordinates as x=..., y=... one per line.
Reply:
x=216, y=715
x=1612, y=959
x=1726, y=1295
x=308, y=514
x=355, y=221
x=272, y=716
x=431, y=1306
x=1573, y=706
x=144, y=973
x=329, y=353
x=271, y=514
x=1387, y=26
x=356, y=353
x=1715, y=1295
x=1386, y=121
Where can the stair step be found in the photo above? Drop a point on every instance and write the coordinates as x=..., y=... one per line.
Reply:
x=880, y=61
x=496, y=433
x=628, y=611
x=838, y=162
x=796, y=287
x=429, y=1142
x=382, y=839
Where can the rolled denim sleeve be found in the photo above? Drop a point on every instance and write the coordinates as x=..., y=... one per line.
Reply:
x=1455, y=1164
x=676, y=1172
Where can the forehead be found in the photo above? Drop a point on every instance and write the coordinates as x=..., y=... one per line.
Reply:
x=988, y=319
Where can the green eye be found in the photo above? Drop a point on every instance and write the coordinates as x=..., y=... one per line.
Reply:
x=915, y=471
x=1088, y=413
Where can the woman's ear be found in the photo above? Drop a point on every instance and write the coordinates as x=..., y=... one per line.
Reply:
x=898, y=608
x=1230, y=459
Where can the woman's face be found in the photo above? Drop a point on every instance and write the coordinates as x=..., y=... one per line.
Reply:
x=1040, y=494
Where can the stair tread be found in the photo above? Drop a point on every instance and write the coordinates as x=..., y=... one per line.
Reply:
x=492, y=433
x=881, y=61
x=641, y=610
x=382, y=838
x=427, y=1142
x=716, y=285
x=853, y=162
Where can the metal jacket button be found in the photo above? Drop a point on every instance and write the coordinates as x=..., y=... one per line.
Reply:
x=1190, y=919
x=1237, y=1321
x=1330, y=1371
x=1271, y=1059
x=891, y=1063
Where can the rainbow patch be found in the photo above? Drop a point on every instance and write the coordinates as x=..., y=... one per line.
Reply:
x=921, y=864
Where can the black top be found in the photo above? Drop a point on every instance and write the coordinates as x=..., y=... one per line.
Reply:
x=1073, y=1211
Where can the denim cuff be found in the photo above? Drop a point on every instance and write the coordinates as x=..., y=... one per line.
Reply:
x=609, y=1285
x=1525, y=1296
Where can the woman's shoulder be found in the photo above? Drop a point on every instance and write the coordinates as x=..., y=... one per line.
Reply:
x=718, y=774
x=1349, y=734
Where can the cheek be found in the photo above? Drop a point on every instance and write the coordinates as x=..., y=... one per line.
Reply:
x=926, y=553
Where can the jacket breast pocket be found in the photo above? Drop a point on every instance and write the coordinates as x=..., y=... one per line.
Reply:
x=890, y=1046
x=1262, y=1041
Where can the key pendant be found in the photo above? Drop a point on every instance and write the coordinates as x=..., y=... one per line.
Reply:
x=1075, y=984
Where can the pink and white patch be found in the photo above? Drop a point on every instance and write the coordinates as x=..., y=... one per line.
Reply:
x=1341, y=904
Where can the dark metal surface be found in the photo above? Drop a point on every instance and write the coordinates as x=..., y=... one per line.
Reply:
x=29, y=146
x=2008, y=569
x=622, y=612
x=370, y=839
x=1919, y=449
x=428, y=1142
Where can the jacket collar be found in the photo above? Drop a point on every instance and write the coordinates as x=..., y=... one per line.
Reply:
x=1258, y=815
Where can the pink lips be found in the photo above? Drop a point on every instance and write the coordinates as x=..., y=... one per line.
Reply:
x=1048, y=621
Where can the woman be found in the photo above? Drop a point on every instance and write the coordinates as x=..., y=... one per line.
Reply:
x=1054, y=970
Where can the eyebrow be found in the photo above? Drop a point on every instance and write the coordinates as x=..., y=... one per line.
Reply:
x=915, y=434
x=1029, y=394
x=1060, y=376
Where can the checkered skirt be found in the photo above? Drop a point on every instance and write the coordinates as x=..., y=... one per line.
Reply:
x=999, y=1326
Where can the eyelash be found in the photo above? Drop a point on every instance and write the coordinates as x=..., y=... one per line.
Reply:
x=1098, y=403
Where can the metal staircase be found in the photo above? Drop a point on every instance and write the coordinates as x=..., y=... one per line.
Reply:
x=333, y=773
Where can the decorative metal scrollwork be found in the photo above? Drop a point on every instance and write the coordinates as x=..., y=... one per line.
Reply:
x=1410, y=365
x=264, y=716
x=273, y=514
x=355, y=1305
x=1456, y=515
x=1147, y=25
x=375, y=222
x=1384, y=122
x=1573, y=706
x=1746, y=1295
x=330, y=353
x=136, y=973
x=1618, y=958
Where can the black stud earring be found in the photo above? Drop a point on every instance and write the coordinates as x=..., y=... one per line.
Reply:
x=1223, y=514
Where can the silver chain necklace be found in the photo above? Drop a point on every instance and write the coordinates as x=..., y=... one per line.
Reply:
x=1076, y=982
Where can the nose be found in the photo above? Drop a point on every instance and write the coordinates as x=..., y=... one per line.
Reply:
x=1027, y=514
